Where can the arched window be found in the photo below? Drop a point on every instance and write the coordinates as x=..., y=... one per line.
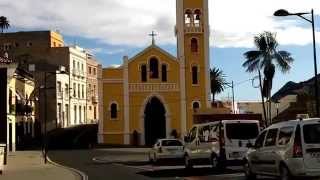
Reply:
x=197, y=18
x=188, y=17
x=164, y=73
x=194, y=75
x=154, y=68
x=195, y=106
x=114, y=110
x=144, y=73
x=194, y=45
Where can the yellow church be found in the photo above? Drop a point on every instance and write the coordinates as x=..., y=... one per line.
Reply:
x=154, y=93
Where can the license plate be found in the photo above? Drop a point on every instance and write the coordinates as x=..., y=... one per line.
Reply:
x=235, y=155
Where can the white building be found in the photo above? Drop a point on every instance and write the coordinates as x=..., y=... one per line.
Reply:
x=78, y=78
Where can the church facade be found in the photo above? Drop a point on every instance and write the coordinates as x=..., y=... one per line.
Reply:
x=155, y=94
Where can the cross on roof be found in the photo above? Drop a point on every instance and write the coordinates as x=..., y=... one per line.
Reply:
x=153, y=34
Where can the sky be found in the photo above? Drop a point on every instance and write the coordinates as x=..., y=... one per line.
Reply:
x=111, y=29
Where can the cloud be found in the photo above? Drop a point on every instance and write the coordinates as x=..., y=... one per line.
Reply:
x=99, y=50
x=127, y=22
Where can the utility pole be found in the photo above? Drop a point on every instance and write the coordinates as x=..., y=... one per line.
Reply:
x=233, y=106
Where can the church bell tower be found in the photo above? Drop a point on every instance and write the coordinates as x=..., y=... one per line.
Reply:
x=192, y=30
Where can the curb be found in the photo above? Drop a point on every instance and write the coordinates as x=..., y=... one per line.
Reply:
x=82, y=175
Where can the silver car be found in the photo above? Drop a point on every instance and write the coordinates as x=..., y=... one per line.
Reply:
x=287, y=149
x=166, y=149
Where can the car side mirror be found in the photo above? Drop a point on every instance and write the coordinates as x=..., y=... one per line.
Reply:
x=186, y=138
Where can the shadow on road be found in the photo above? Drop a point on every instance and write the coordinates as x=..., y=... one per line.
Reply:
x=182, y=172
x=158, y=164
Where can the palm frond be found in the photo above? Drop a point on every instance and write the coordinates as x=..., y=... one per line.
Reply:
x=252, y=62
x=283, y=59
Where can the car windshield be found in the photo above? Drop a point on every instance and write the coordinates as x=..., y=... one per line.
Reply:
x=311, y=133
x=242, y=130
x=171, y=143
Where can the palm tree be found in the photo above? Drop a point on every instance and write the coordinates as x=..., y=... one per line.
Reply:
x=4, y=23
x=267, y=58
x=217, y=82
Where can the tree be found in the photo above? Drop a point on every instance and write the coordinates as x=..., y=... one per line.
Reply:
x=267, y=58
x=4, y=23
x=217, y=82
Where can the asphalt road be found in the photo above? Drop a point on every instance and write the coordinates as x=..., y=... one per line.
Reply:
x=115, y=166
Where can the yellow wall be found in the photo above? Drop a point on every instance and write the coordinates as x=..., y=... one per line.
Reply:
x=113, y=91
x=195, y=92
x=193, y=4
x=138, y=99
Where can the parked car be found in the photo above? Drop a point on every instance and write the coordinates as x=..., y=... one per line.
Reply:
x=166, y=149
x=286, y=149
x=219, y=143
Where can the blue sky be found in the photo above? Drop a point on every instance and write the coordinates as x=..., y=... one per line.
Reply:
x=229, y=60
x=111, y=29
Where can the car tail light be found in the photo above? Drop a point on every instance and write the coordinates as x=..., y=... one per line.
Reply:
x=297, y=146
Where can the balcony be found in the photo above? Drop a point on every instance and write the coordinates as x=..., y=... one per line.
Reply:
x=59, y=94
x=23, y=109
x=151, y=87
x=193, y=28
x=75, y=72
x=94, y=99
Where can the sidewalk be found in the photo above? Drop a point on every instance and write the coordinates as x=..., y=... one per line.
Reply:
x=25, y=165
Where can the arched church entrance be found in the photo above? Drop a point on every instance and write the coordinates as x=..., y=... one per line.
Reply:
x=154, y=121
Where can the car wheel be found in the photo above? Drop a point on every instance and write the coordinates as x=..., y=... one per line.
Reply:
x=247, y=171
x=214, y=162
x=150, y=158
x=187, y=162
x=284, y=173
x=155, y=160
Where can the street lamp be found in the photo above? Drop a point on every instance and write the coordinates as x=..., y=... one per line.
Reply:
x=283, y=12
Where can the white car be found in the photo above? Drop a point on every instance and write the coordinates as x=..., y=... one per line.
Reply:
x=287, y=149
x=219, y=143
x=166, y=149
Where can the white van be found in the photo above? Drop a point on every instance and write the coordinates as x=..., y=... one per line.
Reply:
x=219, y=143
x=286, y=149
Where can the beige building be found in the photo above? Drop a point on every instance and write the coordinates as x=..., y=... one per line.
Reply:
x=20, y=105
x=94, y=73
x=255, y=107
x=68, y=91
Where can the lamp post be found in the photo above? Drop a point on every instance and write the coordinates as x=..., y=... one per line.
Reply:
x=61, y=70
x=231, y=85
x=277, y=103
x=282, y=12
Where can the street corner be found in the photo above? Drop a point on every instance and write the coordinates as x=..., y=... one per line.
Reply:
x=30, y=165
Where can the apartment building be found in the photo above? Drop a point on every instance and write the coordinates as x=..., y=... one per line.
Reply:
x=18, y=118
x=67, y=93
x=94, y=70
x=78, y=73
